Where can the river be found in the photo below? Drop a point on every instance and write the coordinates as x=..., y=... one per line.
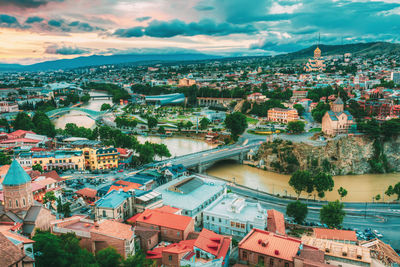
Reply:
x=80, y=118
x=361, y=188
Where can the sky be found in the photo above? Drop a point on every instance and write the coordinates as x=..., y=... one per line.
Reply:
x=39, y=30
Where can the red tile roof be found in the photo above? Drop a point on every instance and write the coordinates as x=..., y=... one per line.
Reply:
x=175, y=248
x=87, y=192
x=217, y=245
x=168, y=209
x=114, y=229
x=276, y=222
x=335, y=234
x=270, y=244
x=160, y=218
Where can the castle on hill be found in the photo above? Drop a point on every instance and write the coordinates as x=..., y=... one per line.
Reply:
x=317, y=63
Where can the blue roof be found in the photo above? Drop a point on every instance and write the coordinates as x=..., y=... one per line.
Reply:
x=332, y=115
x=113, y=199
x=16, y=175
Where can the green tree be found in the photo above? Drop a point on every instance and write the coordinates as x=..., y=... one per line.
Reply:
x=4, y=124
x=391, y=128
x=161, y=130
x=296, y=127
x=108, y=257
x=23, y=122
x=297, y=210
x=105, y=106
x=43, y=125
x=151, y=122
x=394, y=190
x=4, y=159
x=49, y=250
x=180, y=125
x=377, y=197
x=300, y=109
x=188, y=125
x=332, y=214
x=49, y=197
x=37, y=167
x=319, y=111
x=370, y=128
x=139, y=259
x=146, y=153
x=75, y=255
x=301, y=181
x=236, y=123
x=204, y=123
x=323, y=182
x=342, y=192
x=161, y=150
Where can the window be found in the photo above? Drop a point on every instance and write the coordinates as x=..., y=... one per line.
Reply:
x=286, y=264
x=178, y=233
x=212, y=218
x=10, y=204
x=271, y=261
x=16, y=203
x=170, y=258
x=219, y=220
x=23, y=202
x=104, y=213
x=208, y=217
x=232, y=224
x=237, y=225
x=244, y=255
x=261, y=260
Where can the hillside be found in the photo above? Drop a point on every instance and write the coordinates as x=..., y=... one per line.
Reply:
x=358, y=49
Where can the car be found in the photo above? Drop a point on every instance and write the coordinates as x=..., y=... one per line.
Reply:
x=121, y=170
x=377, y=233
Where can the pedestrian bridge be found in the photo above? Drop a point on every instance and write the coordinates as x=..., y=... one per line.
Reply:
x=201, y=161
x=60, y=111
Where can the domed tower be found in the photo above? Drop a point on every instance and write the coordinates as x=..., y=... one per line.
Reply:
x=17, y=190
x=317, y=52
x=337, y=105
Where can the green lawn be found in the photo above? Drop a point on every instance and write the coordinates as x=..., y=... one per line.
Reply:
x=314, y=130
x=251, y=120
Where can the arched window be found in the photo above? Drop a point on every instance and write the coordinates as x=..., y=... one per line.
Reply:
x=10, y=203
x=16, y=203
x=23, y=202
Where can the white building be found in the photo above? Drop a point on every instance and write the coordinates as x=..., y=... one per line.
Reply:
x=233, y=215
x=395, y=77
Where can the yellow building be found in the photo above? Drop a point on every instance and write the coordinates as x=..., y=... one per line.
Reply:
x=282, y=115
x=101, y=158
x=58, y=160
x=316, y=63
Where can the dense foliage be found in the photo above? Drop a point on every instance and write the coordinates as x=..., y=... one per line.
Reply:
x=297, y=210
x=236, y=123
x=332, y=214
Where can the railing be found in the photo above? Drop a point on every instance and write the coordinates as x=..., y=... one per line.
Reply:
x=65, y=231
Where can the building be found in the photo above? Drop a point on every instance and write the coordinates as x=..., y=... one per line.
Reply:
x=171, y=255
x=172, y=227
x=54, y=160
x=169, y=99
x=395, y=77
x=19, y=206
x=101, y=158
x=233, y=215
x=186, y=82
x=97, y=235
x=6, y=107
x=191, y=194
x=12, y=253
x=282, y=115
x=344, y=236
x=337, y=120
x=315, y=64
x=340, y=254
x=256, y=97
x=117, y=205
x=264, y=248
x=297, y=95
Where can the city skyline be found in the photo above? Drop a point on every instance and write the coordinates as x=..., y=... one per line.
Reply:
x=39, y=30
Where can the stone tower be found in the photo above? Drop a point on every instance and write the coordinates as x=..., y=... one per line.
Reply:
x=317, y=52
x=17, y=190
x=337, y=105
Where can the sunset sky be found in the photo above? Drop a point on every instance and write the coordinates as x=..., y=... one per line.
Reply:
x=37, y=30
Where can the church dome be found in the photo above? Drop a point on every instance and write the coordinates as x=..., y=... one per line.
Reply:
x=16, y=175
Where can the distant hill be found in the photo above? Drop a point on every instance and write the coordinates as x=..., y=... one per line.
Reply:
x=358, y=49
x=97, y=60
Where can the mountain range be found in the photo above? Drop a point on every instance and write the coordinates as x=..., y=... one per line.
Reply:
x=357, y=49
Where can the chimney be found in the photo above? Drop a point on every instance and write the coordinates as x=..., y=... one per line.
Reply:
x=96, y=224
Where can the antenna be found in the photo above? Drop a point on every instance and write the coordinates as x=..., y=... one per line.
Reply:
x=319, y=38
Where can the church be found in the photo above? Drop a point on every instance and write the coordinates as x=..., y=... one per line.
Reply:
x=317, y=63
x=337, y=120
x=18, y=206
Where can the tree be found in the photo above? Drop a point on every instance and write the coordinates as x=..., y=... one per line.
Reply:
x=301, y=181
x=188, y=125
x=139, y=259
x=161, y=130
x=323, y=182
x=394, y=190
x=161, y=150
x=297, y=210
x=236, y=123
x=151, y=122
x=108, y=257
x=105, y=106
x=37, y=167
x=4, y=124
x=300, y=109
x=332, y=214
x=180, y=125
x=370, y=128
x=23, y=122
x=4, y=159
x=319, y=111
x=146, y=153
x=48, y=249
x=377, y=197
x=204, y=123
x=296, y=127
x=43, y=125
x=49, y=196
x=342, y=192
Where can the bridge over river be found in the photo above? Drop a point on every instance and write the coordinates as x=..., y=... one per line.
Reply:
x=60, y=111
x=202, y=160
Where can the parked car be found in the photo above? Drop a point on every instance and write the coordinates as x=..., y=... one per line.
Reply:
x=377, y=234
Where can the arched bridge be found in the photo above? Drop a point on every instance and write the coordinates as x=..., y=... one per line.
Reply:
x=91, y=113
x=202, y=160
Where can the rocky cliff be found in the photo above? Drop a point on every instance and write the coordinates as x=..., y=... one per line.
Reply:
x=348, y=155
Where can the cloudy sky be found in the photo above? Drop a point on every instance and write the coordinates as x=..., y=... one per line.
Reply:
x=38, y=30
